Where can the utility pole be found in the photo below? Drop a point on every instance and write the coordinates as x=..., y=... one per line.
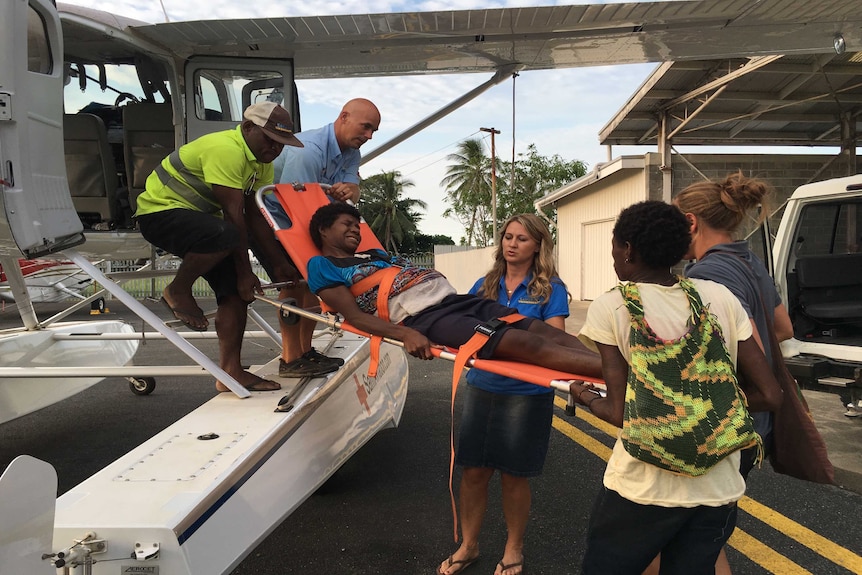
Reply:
x=492, y=131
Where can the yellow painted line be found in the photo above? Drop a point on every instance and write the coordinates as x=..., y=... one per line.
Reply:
x=754, y=549
x=814, y=541
x=764, y=555
x=578, y=436
x=600, y=424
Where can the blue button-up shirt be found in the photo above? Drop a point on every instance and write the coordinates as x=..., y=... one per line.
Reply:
x=320, y=161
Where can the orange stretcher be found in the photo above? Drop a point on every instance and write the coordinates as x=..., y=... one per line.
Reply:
x=299, y=203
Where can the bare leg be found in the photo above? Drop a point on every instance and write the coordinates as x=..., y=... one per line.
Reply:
x=558, y=336
x=473, y=498
x=230, y=325
x=306, y=326
x=516, y=509
x=178, y=293
x=652, y=568
x=296, y=339
x=532, y=347
x=722, y=565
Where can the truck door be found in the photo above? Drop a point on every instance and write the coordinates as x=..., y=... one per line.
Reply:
x=37, y=215
x=218, y=90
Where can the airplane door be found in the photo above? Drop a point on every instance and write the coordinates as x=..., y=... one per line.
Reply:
x=218, y=90
x=37, y=215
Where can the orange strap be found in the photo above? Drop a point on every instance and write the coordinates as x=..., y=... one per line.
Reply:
x=465, y=352
x=384, y=286
x=383, y=280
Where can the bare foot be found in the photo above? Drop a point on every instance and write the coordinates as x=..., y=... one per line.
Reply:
x=185, y=309
x=251, y=382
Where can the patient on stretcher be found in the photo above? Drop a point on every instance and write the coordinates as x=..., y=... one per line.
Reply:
x=423, y=306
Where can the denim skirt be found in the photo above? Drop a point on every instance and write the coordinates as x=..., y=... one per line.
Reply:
x=505, y=432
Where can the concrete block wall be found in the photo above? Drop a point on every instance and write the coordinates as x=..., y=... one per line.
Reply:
x=784, y=172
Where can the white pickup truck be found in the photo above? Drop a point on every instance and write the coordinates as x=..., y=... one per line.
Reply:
x=817, y=258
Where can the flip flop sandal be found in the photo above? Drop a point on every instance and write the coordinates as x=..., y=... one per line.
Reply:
x=464, y=563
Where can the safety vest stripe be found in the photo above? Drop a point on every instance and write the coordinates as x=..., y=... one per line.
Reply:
x=193, y=190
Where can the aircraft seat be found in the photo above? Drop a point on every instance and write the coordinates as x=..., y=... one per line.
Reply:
x=148, y=137
x=90, y=168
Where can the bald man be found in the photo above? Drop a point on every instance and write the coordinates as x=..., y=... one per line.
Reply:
x=330, y=155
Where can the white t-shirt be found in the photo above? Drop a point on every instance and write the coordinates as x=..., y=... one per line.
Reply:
x=666, y=310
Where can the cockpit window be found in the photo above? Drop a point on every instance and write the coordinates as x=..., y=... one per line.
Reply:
x=104, y=85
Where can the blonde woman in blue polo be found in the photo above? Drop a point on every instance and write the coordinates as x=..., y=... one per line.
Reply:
x=506, y=423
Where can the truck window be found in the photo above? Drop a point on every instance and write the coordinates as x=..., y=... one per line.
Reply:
x=829, y=228
x=38, y=51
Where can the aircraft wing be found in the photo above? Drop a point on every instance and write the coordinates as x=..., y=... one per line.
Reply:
x=533, y=38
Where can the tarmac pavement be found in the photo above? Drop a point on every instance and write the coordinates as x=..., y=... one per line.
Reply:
x=387, y=510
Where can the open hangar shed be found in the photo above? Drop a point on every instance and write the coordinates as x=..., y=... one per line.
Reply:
x=812, y=101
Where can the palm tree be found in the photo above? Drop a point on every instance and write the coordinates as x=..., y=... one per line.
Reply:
x=391, y=217
x=468, y=189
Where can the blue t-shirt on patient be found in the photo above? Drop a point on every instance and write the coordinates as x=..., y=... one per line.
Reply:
x=556, y=306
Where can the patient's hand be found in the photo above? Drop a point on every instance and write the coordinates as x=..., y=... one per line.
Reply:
x=417, y=345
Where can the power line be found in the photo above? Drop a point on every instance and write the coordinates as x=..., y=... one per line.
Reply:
x=449, y=145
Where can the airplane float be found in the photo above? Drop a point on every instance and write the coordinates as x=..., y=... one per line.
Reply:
x=48, y=280
x=198, y=497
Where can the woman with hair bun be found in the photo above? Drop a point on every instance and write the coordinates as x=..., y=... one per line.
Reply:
x=715, y=211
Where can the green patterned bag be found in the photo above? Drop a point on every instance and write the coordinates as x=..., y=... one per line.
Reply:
x=684, y=410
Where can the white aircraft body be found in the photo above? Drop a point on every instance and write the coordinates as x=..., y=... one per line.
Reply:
x=197, y=497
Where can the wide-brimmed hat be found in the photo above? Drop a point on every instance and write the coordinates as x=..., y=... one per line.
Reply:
x=275, y=122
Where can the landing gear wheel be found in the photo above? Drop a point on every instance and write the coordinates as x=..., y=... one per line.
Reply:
x=142, y=385
x=126, y=96
x=98, y=305
x=286, y=317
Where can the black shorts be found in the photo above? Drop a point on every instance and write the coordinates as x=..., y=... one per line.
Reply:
x=453, y=321
x=181, y=231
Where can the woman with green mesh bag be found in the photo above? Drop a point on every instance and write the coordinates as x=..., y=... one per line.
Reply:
x=670, y=348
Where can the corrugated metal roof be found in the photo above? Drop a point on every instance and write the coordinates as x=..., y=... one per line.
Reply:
x=791, y=100
x=533, y=37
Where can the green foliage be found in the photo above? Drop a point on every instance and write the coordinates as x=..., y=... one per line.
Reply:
x=468, y=185
x=393, y=218
x=421, y=243
x=468, y=189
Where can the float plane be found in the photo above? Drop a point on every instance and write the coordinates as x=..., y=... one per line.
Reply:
x=198, y=497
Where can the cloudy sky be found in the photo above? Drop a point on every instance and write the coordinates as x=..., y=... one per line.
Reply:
x=560, y=111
